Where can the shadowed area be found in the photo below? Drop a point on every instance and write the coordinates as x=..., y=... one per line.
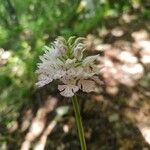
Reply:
x=117, y=116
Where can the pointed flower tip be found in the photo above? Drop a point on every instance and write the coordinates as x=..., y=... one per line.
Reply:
x=61, y=39
x=46, y=48
x=78, y=40
x=90, y=59
x=66, y=63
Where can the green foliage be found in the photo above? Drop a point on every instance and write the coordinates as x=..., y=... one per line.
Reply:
x=26, y=26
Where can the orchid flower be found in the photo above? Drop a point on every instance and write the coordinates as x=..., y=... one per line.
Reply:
x=65, y=61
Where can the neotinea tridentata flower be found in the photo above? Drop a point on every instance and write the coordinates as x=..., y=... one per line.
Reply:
x=65, y=62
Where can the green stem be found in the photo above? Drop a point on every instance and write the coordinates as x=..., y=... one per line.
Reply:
x=79, y=122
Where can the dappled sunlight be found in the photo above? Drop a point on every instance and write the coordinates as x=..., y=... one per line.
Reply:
x=38, y=123
x=4, y=56
x=126, y=64
x=131, y=58
x=140, y=35
x=116, y=116
x=124, y=61
x=128, y=18
x=26, y=119
x=145, y=51
x=137, y=111
x=145, y=130
x=12, y=126
x=40, y=145
x=142, y=42
x=117, y=32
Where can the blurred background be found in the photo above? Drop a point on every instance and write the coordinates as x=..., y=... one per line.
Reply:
x=117, y=117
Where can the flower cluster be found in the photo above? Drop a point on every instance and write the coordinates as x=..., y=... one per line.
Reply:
x=65, y=62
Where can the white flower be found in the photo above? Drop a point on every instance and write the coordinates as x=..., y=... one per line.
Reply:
x=78, y=51
x=65, y=62
x=90, y=60
x=68, y=90
x=87, y=85
x=69, y=62
x=59, y=46
x=43, y=80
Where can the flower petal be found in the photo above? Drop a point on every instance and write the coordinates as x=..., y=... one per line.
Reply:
x=97, y=80
x=78, y=51
x=87, y=85
x=90, y=60
x=68, y=90
x=43, y=80
x=59, y=46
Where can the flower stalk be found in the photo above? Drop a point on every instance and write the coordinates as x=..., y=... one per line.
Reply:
x=79, y=122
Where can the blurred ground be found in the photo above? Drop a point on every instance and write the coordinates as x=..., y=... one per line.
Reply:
x=117, y=117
